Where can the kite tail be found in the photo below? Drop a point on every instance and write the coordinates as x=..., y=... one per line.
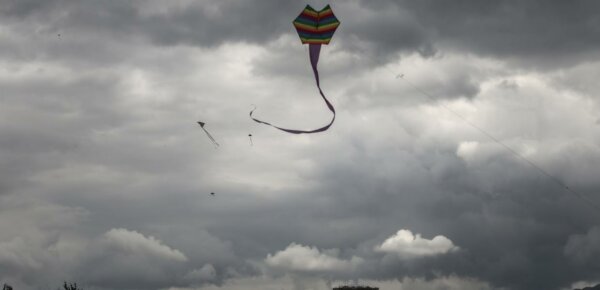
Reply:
x=314, y=52
x=211, y=138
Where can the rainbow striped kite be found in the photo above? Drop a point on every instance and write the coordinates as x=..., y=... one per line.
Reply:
x=314, y=28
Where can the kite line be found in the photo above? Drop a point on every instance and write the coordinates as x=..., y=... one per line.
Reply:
x=510, y=149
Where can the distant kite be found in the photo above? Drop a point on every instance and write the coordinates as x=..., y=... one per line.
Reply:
x=212, y=194
x=208, y=134
x=315, y=28
x=250, y=137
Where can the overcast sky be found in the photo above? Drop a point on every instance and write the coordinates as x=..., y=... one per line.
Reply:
x=105, y=177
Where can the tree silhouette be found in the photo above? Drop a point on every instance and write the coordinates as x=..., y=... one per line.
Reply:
x=71, y=286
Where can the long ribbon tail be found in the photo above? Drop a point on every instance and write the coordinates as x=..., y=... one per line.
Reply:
x=211, y=137
x=314, y=52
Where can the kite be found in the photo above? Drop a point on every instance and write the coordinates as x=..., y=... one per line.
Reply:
x=208, y=134
x=314, y=28
x=212, y=194
x=250, y=136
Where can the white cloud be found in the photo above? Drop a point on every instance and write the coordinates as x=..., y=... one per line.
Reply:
x=407, y=245
x=136, y=243
x=467, y=149
x=581, y=285
x=303, y=258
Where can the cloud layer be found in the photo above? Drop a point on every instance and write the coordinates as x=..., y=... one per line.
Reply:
x=105, y=177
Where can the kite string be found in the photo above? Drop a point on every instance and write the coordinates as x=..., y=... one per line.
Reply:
x=510, y=149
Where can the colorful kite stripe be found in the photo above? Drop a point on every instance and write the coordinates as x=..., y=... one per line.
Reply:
x=322, y=29
x=315, y=41
x=316, y=27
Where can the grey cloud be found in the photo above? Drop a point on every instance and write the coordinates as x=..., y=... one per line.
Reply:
x=534, y=33
x=206, y=273
x=127, y=259
x=382, y=31
x=34, y=238
x=583, y=248
x=179, y=22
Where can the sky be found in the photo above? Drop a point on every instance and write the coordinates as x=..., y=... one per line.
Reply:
x=105, y=176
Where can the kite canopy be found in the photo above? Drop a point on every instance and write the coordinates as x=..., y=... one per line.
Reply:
x=316, y=27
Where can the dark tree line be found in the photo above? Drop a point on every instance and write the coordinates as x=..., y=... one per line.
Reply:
x=71, y=286
x=66, y=286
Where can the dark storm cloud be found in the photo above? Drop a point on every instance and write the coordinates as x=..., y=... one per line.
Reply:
x=555, y=31
x=534, y=32
x=202, y=23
